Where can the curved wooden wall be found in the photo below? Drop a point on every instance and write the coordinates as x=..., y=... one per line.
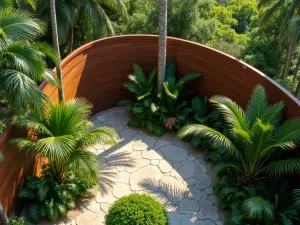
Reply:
x=98, y=70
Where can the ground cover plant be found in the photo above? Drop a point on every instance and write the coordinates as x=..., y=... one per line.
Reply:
x=14, y=220
x=156, y=111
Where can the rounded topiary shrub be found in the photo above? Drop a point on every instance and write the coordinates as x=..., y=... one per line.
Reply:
x=136, y=209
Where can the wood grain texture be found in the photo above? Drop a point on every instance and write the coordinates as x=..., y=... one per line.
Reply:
x=98, y=70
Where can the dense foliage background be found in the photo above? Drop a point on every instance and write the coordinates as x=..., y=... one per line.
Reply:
x=238, y=27
x=255, y=31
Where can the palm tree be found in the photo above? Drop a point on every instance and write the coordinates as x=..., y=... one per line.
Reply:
x=22, y=60
x=290, y=12
x=90, y=15
x=162, y=43
x=62, y=135
x=254, y=136
x=56, y=47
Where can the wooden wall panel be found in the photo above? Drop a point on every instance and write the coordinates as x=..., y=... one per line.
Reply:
x=98, y=70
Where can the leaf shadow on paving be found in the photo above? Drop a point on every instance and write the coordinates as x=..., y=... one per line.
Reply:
x=162, y=167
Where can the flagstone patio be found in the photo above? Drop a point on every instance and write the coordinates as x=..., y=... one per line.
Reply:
x=164, y=167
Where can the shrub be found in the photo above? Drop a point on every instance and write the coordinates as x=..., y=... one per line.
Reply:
x=14, y=220
x=136, y=209
x=159, y=111
x=51, y=198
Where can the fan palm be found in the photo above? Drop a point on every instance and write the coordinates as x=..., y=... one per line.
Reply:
x=62, y=135
x=22, y=61
x=255, y=135
x=91, y=15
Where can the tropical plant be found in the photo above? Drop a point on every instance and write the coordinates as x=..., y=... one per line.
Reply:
x=274, y=206
x=47, y=197
x=90, y=16
x=144, y=107
x=61, y=134
x=202, y=115
x=56, y=47
x=255, y=137
x=159, y=111
x=162, y=40
x=14, y=220
x=138, y=210
x=173, y=105
x=22, y=60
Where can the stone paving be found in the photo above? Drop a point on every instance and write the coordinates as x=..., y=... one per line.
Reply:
x=162, y=167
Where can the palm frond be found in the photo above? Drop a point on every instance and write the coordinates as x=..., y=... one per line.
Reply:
x=210, y=134
x=84, y=164
x=101, y=135
x=120, y=7
x=23, y=143
x=46, y=50
x=258, y=208
x=273, y=114
x=17, y=25
x=294, y=30
x=81, y=107
x=283, y=167
x=231, y=112
x=296, y=195
x=262, y=136
x=50, y=78
x=23, y=57
x=56, y=148
x=20, y=91
x=219, y=168
x=289, y=132
x=257, y=105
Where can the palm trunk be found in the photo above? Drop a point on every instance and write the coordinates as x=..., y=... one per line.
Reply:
x=297, y=69
x=70, y=39
x=297, y=92
x=3, y=217
x=162, y=43
x=56, y=47
x=287, y=62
